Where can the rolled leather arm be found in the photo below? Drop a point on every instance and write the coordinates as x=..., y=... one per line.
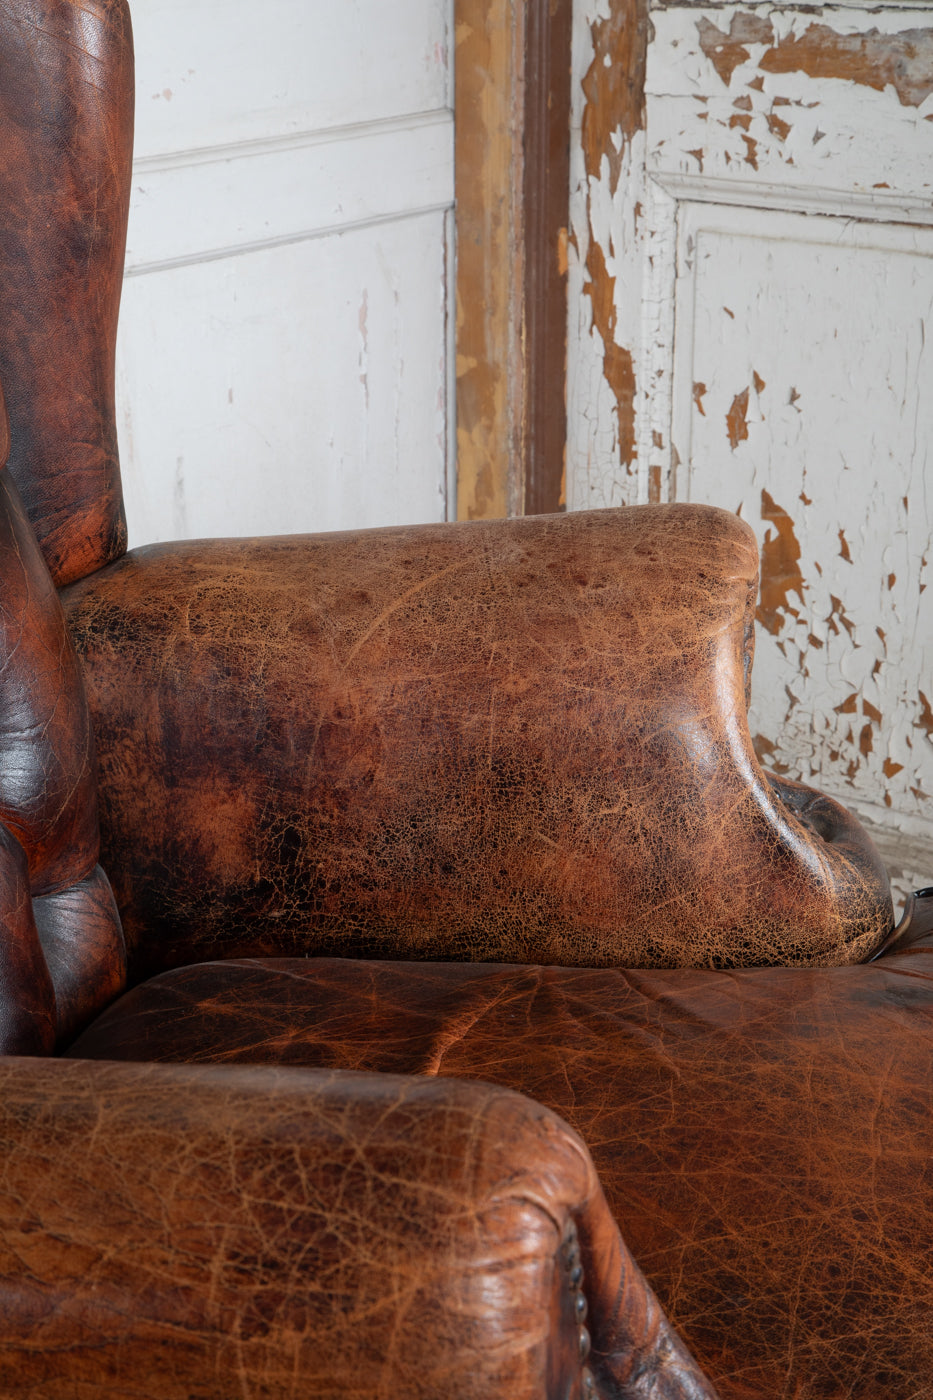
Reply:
x=514, y=740
x=172, y=1231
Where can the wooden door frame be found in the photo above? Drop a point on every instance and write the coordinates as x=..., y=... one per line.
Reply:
x=512, y=182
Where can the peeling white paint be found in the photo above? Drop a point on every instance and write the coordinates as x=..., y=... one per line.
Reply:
x=783, y=369
x=613, y=217
x=839, y=454
x=815, y=141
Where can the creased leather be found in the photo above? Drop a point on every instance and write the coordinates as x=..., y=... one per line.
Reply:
x=79, y=930
x=27, y=997
x=763, y=1135
x=4, y=431
x=47, y=775
x=516, y=740
x=66, y=117
x=48, y=797
x=169, y=1233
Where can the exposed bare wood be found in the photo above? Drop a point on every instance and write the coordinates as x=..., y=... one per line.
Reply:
x=546, y=195
x=512, y=149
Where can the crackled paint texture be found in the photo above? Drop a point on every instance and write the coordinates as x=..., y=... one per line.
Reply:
x=783, y=394
x=607, y=165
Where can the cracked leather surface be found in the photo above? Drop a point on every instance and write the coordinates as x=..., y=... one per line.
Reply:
x=169, y=1233
x=519, y=740
x=48, y=807
x=762, y=1135
x=66, y=116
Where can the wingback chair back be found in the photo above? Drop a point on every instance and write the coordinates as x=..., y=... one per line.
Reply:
x=66, y=114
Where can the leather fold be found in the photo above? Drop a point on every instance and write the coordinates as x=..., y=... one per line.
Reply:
x=48, y=801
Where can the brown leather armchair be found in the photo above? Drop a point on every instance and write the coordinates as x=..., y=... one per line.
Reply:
x=397, y=824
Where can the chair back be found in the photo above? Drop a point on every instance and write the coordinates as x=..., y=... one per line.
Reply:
x=66, y=143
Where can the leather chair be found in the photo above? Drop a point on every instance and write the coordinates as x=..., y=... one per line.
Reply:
x=394, y=825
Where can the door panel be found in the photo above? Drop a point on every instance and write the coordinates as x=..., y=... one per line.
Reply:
x=806, y=412
x=820, y=110
x=755, y=273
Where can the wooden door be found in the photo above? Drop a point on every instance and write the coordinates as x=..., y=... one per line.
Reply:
x=752, y=222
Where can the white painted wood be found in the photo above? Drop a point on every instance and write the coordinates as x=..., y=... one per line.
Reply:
x=225, y=200
x=800, y=203
x=243, y=417
x=283, y=360
x=215, y=72
x=802, y=141
x=604, y=212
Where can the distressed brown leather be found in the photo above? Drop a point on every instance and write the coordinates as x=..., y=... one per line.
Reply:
x=763, y=1136
x=48, y=796
x=191, y=1234
x=66, y=120
x=47, y=780
x=79, y=929
x=514, y=740
x=27, y=997
x=4, y=430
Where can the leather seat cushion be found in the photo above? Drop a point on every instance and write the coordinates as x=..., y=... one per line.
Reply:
x=763, y=1136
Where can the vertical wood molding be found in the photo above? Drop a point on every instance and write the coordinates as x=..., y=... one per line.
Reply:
x=487, y=142
x=546, y=202
x=512, y=102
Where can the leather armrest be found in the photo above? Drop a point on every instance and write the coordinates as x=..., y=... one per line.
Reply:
x=514, y=740
x=179, y=1231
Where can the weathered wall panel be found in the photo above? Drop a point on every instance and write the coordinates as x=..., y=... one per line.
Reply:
x=211, y=76
x=757, y=252
x=822, y=110
x=285, y=344
x=805, y=407
x=608, y=195
x=232, y=426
